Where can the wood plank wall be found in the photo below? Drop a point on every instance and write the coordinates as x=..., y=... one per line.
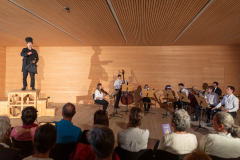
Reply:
x=2, y=71
x=70, y=74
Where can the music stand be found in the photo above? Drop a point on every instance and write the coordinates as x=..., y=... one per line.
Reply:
x=115, y=113
x=149, y=94
x=127, y=88
x=203, y=103
x=168, y=95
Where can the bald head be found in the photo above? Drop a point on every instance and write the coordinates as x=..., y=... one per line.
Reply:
x=68, y=110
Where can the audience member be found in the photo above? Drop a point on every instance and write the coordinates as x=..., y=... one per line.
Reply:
x=27, y=130
x=44, y=140
x=133, y=138
x=225, y=143
x=102, y=141
x=7, y=153
x=100, y=118
x=179, y=141
x=197, y=155
x=66, y=131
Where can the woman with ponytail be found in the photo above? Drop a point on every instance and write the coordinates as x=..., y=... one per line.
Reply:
x=225, y=143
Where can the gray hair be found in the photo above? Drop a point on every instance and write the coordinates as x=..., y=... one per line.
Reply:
x=181, y=119
x=228, y=122
x=101, y=139
x=5, y=127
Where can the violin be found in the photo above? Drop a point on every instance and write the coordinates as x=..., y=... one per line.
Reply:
x=105, y=92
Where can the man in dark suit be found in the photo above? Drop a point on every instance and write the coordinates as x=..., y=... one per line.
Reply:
x=217, y=90
x=7, y=153
x=29, y=56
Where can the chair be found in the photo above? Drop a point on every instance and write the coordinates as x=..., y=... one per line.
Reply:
x=145, y=154
x=26, y=147
x=95, y=104
x=219, y=158
x=62, y=151
x=164, y=155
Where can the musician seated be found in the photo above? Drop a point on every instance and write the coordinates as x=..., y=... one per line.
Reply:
x=99, y=98
x=225, y=143
x=146, y=99
x=212, y=100
x=180, y=103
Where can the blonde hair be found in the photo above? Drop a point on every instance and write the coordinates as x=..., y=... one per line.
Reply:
x=136, y=115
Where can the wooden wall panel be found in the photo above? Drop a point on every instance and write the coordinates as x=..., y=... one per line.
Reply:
x=72, y=73
x=2, y=71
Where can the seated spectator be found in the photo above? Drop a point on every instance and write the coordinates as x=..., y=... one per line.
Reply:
x=27, y=130
x=7, y=153
x=102, y=141
x=66, y=131
x=44, y=140
x=133, y=138
x=179, y=141
x=225, y=143
x=197, y=155
x=100, y=118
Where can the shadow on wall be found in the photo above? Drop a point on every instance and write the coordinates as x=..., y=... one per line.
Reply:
x=40, y=76
x=96, y=74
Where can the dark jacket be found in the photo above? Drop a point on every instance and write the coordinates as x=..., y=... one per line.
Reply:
x=10, y=154
x=25, y=56
x=218, y=91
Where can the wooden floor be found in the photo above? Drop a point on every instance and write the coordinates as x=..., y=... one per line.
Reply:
x=152, y=122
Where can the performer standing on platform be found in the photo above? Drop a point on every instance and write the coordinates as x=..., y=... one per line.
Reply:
x=180, y=103
x=118, y=85
x=99, y=99
x=29, y=56
x=216, y=89
x=146, y=99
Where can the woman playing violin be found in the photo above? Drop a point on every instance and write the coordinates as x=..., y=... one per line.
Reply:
x=99, y=98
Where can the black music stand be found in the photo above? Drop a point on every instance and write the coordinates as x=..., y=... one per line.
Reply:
x=127, y=88
x=149, y=94
x=203, y=103
x=115, y=113
x=168, y=95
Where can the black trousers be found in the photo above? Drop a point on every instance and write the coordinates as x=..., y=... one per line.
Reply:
x=208, y=111
x=102, y=102
x=233, y=114
x=32, y=75
x=118, y=96
x=179, y=104
x=147, y=100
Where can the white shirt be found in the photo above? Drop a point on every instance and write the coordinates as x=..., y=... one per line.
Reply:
x=178, y=143
x=231, y=103
x=212, y=98
x=184, y=90
x=220, y=145
x=34, y=158
x=133, y=139
x=118, y=84
x=98, y=94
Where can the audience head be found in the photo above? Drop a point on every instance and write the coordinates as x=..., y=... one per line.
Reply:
x=119, y=76
x=197, y=155
x=146, y=86
x=101, y=118
x=168, y=87
x=224, y=122
x=5, y=128
x=215, y=84
x=99, y=86
x=230, y=90
x=135, y=117
x=181, y=85
x=45, y=138
x=68, y=110
x=210, y=89
x=102, y=141
x=180, y=120
x=29, y=115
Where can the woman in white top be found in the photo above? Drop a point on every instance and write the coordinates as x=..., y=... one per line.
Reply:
x=179, y=141
x=225, y=143
x=134, y=139
x=99, y=98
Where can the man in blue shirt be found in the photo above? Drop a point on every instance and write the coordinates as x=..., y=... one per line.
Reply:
x=66, y=131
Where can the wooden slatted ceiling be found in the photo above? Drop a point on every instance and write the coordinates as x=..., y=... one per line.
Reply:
x=144, y=22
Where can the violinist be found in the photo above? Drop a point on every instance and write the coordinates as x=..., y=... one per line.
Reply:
x=146, y=99
x=99, y=98
x=180, y=103
x=118, y=85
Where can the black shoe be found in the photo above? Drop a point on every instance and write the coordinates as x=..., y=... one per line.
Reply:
x=24, y=88
x=208, y=121
x=118, y=107
x=33, y=89
x=195, y=119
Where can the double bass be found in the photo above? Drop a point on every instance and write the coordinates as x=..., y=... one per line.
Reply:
x=127, y=97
